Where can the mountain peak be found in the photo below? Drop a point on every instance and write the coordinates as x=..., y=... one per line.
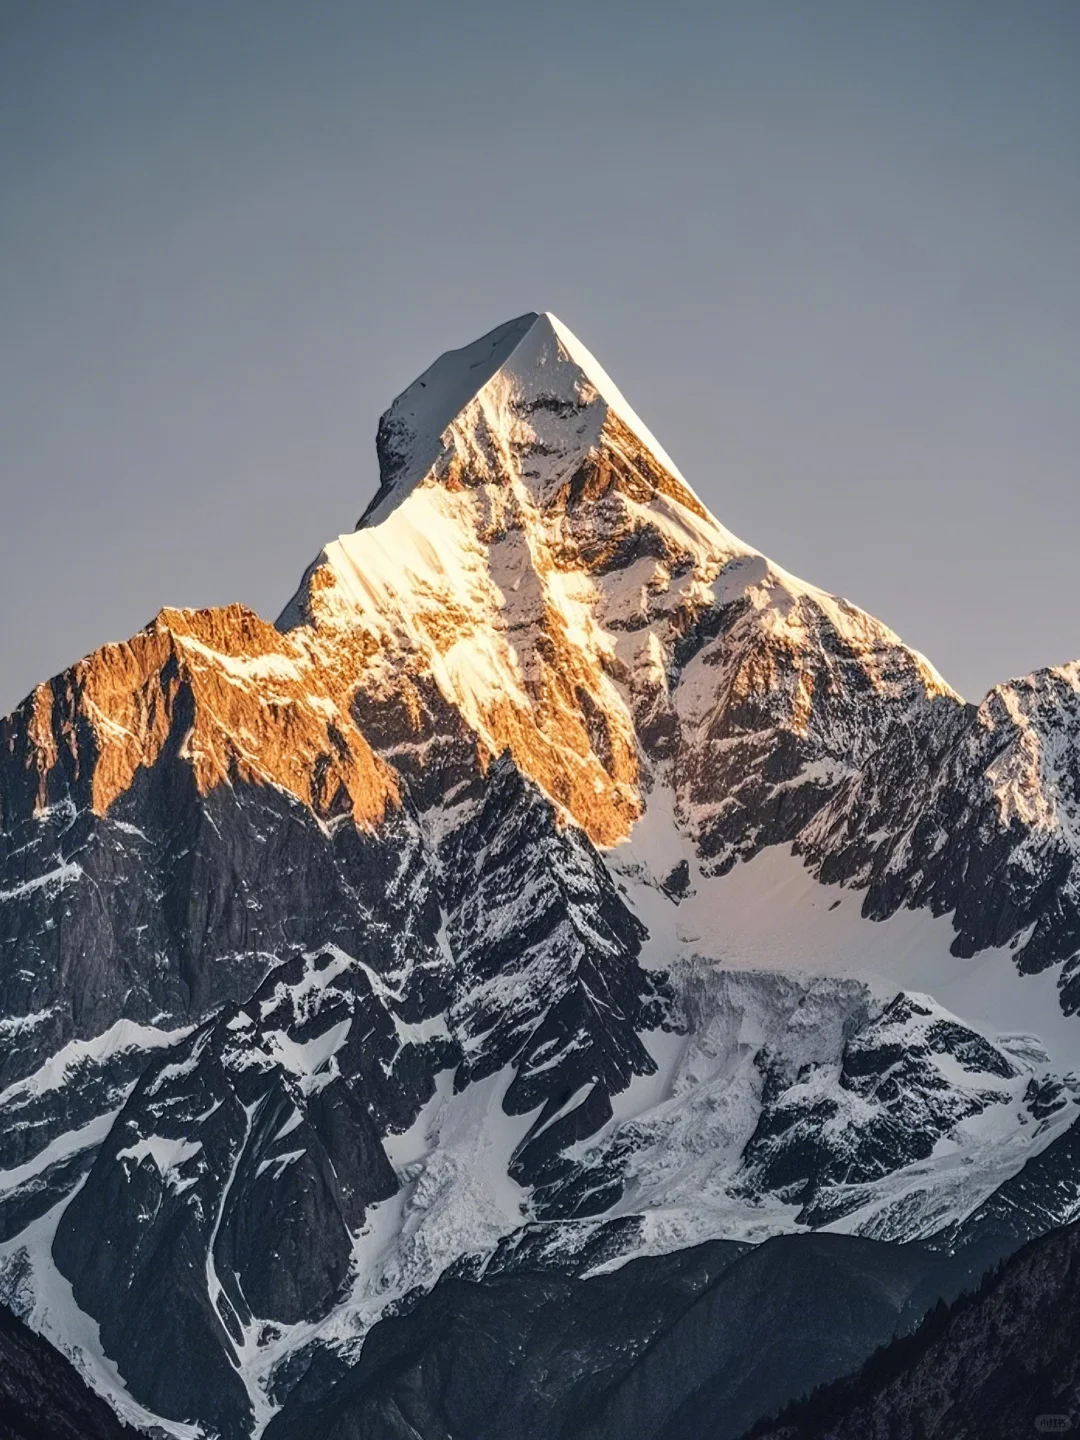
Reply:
x=609, y=391
x=536, y=363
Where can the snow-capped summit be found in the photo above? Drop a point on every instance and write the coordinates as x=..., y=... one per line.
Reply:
x=535, y=562
x=413, y=426
x=530, y=365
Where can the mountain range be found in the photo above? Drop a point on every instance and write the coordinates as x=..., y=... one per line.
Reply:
x=562, y=949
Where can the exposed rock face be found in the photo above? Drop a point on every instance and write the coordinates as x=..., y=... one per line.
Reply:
x=825, y=1139
x=178, y=764
x=973, y=816
x=428, y=929
x=188, y=677
x=288, y=1157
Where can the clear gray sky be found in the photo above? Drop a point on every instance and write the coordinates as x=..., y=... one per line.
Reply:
x=828, y=250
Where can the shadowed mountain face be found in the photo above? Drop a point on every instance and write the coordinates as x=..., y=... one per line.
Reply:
x=1002, y=1362
x=558, y=881
x=42, y=1395
x=697, y=1342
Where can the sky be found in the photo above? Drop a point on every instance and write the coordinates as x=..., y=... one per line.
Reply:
x=827, y=251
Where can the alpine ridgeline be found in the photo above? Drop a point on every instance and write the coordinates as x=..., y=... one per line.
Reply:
x=558, y=883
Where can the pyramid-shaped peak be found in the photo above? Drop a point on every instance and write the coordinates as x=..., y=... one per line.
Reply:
x=608, y=390
x=540, y=358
